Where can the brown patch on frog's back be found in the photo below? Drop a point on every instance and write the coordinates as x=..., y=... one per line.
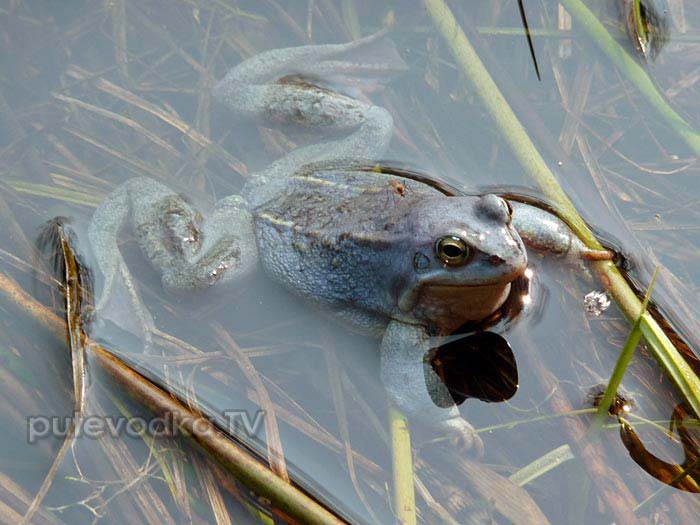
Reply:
x=399, y=187
x=359, y=182
x=343, y=207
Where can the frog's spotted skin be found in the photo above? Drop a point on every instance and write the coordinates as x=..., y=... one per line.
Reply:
x=386, y=255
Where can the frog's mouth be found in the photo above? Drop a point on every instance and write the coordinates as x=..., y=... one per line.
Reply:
x=438, y=280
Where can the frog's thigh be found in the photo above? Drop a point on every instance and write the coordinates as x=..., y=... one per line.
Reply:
x=408, y=377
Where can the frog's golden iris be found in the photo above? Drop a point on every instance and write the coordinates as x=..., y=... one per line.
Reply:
x=452, y=250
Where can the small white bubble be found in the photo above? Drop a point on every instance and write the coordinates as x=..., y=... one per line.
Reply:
x=596, y=302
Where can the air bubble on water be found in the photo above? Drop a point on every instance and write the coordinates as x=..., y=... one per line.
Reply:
x=596, y=302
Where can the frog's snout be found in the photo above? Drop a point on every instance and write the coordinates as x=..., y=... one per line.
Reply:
x=493, y=207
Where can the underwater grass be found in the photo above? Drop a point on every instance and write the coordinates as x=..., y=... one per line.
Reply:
x=52, y=192
x=243, y=466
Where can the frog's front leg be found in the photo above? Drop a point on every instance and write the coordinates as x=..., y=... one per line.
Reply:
x=545, y=232
x=409, y=379
x=188, y=250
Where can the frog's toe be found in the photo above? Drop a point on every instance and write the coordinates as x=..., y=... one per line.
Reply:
x=591, y=254
x=463, y=435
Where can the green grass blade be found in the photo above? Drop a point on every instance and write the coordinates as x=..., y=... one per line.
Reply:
x=623, y=360
x=542, y=465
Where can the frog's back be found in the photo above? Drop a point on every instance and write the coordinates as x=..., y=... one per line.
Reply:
x=362, y=203
x=336, y=237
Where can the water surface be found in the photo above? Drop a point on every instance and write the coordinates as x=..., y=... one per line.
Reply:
x=93, y=94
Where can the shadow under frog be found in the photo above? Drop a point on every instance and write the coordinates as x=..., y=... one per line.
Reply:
x=385, y=255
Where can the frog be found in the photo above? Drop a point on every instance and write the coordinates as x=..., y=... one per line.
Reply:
x=387, y=255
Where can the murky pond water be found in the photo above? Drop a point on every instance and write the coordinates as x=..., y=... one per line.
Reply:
x=93, y=94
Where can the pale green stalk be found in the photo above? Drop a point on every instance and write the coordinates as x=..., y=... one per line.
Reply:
x=542, y=465
x=402, y=462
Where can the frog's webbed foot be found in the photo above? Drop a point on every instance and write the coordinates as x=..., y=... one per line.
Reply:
x=365, y=63
x=463, y=435
x=410, y=379
x=189, y=251
x=297, y=86
x=545, y=232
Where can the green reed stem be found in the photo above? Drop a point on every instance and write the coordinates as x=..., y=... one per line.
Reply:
x=542, y=465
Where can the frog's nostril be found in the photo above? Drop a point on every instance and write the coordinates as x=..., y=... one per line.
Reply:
x=496, y=260
x=420, y=262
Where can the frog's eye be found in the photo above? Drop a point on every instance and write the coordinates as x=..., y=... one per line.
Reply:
x=452, y=250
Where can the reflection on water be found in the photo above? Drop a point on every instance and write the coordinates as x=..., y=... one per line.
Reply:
x=94, y=94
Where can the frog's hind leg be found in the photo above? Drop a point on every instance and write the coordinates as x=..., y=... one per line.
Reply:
x=189, y=251
x=364, y=65
x=290, y=86
x=118, y=301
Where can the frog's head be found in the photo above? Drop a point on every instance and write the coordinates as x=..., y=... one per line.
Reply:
x=464, y=255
